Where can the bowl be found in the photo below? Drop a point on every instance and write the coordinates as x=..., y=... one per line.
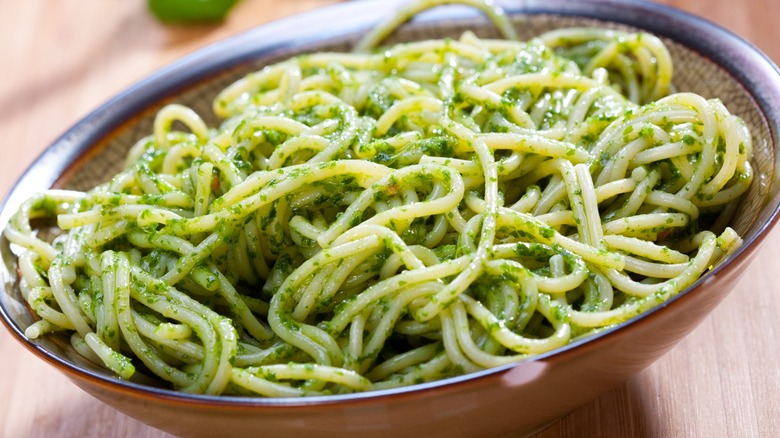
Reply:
x=519, y=398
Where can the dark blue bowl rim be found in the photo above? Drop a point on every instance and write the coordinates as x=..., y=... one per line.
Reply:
x=754, y=70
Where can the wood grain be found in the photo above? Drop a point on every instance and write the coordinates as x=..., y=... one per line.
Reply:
x=60, y=59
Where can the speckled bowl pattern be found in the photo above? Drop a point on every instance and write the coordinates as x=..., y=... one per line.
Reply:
x=519, y=398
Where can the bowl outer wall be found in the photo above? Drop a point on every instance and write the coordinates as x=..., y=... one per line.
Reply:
x=556, y=383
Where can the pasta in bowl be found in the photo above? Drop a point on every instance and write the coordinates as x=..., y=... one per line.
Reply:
x=366, y=221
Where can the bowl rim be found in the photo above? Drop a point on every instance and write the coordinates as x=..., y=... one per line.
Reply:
x=757, y=73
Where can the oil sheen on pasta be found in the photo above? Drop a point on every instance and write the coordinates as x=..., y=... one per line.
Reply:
x=393, y=216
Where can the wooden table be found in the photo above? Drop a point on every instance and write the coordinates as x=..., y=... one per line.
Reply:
x=60, y=59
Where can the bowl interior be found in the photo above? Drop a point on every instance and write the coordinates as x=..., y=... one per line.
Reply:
x=693, y=72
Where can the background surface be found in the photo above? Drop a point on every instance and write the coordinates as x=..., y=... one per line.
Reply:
x=60, y=59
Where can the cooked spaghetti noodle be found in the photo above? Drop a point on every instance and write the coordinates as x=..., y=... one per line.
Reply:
x=388, y=217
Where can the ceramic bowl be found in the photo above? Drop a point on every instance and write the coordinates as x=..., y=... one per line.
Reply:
x=518, y=398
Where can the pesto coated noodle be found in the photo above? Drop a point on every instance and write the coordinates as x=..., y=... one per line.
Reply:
x=393, y=216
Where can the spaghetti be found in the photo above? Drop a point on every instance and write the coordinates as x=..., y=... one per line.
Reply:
x=388, y=217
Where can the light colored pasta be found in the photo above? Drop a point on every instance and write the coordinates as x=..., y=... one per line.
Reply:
x=388, y=217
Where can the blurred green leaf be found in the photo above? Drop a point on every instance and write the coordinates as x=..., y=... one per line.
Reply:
x=190, y=11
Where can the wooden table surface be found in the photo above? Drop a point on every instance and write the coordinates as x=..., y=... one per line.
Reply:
x=60, y=59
